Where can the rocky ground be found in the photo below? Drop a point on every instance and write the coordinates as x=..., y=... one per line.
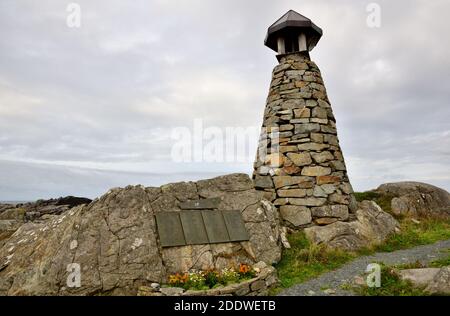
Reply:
x=372, y=224
x=412, y=200
x=115, y=244
x=12, y=216
x=331, y=283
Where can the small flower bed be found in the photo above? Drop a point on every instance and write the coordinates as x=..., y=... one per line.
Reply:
x=209, y=279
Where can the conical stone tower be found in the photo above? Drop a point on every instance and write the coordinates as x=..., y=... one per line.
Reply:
x=299, y=164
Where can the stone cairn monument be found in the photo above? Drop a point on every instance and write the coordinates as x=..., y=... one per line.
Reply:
x=299, y=164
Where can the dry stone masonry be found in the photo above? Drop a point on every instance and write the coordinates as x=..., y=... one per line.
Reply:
x=300, y=165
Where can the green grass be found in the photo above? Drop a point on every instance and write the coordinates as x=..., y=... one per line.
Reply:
x=305, y=261
x=444, y=262
x=439, y=263
x=391, y=285
x=411, y=235
x=430, y=230
x=383, y=200
x=412, y=265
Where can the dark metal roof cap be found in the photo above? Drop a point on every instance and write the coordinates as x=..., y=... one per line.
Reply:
x=293, y=22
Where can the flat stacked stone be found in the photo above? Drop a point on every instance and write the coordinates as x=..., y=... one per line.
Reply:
x=299, y=165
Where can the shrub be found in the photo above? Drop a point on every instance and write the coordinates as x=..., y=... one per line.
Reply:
x=246, y=271
x=196, y=280
x=228, y=276
x=178, y=280
x=212, y=278
x=200, y=280
x=383, y=200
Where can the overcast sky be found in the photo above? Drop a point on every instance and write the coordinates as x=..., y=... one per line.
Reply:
x=86, y=109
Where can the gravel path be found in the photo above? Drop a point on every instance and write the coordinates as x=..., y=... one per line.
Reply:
x=335, y=279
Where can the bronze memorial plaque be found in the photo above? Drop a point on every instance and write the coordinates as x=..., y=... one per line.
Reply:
x=170, y=230
x=235, y=225
x=193, y=227
x=215, y=226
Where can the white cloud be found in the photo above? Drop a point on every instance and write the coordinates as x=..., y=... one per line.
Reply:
x=128, y=42
x=106, y=96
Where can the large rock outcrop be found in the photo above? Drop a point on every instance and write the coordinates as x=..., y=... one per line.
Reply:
x=12, y=216
x=372, y=226
x=416, y=199
x=114, y=240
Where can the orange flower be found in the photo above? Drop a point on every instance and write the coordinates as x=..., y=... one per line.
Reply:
x=243, y=268
x=173, y=279
x=184, y=278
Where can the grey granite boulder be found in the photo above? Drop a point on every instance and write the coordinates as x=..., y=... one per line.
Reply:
x=114, y=244
x=440, y=283
x=372, y=226
x=432, y=280
x=416, y=198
